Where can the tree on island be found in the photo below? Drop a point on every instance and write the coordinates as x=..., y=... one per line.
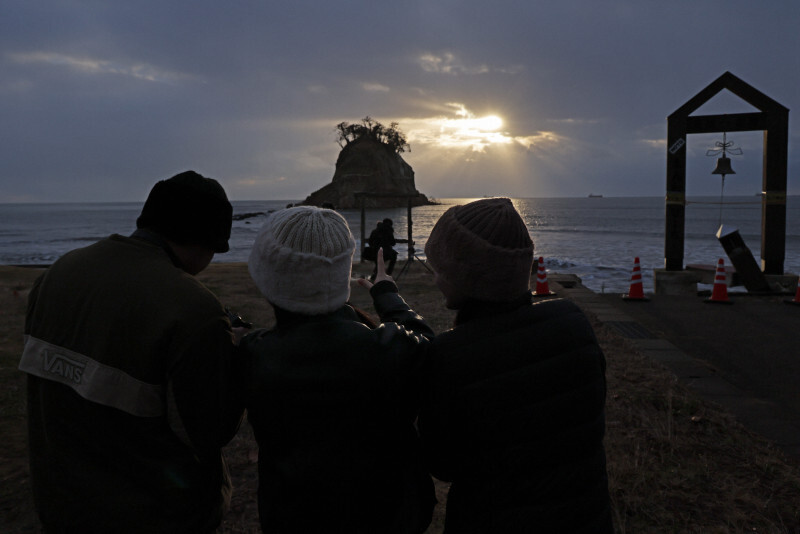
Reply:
x=346, y=133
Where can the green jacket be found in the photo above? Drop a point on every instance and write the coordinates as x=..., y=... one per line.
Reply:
x=129, y=392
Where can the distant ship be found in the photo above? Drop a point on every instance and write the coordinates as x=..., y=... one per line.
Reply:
x=592, y=195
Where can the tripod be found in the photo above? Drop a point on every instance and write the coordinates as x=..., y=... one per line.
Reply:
x=411, y=253
x=411, y=257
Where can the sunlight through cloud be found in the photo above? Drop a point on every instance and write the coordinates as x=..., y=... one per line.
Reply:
x=539, y=139
x=464, y=130
x=457, y=146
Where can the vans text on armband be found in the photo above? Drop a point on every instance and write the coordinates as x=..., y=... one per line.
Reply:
x=61, y=365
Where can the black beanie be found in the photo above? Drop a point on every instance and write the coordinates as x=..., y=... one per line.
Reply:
x=189, y=209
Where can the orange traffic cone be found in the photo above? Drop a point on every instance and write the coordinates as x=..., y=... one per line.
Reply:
x=719, y=294
x=636, y=291
x=542, y=289
x=796, y=299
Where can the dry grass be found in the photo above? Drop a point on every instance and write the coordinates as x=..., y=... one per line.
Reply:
x=679, y=464
x=676, y=463
x=15, y=507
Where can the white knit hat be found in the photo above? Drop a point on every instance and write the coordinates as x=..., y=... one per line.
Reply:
x=302, y=260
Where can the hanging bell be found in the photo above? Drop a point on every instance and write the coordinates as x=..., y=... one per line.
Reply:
x=723, y=166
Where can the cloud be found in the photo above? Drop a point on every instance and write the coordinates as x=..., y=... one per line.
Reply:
x=268, y=85
x=375, y=87
x=539, y=139
x=141, y=71
x=447, y=63
x=655, y=143
x=511, y=69
x=574, y=121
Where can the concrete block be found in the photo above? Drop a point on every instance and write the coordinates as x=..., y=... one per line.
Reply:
x=675, y=282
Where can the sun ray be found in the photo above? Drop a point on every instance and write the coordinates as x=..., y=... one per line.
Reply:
x=464, y=130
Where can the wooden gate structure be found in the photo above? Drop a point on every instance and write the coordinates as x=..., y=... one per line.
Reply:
x=773, y=119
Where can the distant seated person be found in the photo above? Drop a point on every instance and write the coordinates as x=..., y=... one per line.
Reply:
x=383, y=237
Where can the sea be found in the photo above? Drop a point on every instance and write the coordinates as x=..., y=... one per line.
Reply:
x=595, y=238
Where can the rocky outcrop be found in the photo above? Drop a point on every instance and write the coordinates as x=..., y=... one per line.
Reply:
x=369, y=166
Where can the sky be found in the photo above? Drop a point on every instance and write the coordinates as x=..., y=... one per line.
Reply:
x=529, y=98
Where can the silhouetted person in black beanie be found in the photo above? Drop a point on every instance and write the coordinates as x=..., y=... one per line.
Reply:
x=130, y=374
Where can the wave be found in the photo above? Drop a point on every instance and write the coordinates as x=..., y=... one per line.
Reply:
x=595, y=239
x=600, y=231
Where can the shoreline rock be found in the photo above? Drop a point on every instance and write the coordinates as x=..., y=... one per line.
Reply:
x=377, y=172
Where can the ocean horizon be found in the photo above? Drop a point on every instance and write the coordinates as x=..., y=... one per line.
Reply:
x=595, y=238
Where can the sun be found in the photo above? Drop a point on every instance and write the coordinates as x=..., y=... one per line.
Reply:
x=470, y=132
x=490, y=123
x=460, y=131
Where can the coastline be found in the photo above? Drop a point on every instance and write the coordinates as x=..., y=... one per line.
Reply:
x=594, y=238
x=676, y=461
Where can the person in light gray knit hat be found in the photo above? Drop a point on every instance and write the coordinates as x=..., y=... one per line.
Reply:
x=302, y=259
x=482, y=250
x=332, y=398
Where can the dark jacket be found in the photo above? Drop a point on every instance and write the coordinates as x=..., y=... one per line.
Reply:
x=333, y=404
x=129, y=363
x=514, y=417
x=381, y=237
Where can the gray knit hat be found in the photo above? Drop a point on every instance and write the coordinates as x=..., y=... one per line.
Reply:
x=483, y=249
x=302, y=259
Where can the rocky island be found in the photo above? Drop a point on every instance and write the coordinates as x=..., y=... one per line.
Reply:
x=370, y=164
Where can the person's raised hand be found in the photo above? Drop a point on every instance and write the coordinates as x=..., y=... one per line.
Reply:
x=380, y=273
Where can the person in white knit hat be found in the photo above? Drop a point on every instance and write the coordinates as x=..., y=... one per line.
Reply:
x=333, y=400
